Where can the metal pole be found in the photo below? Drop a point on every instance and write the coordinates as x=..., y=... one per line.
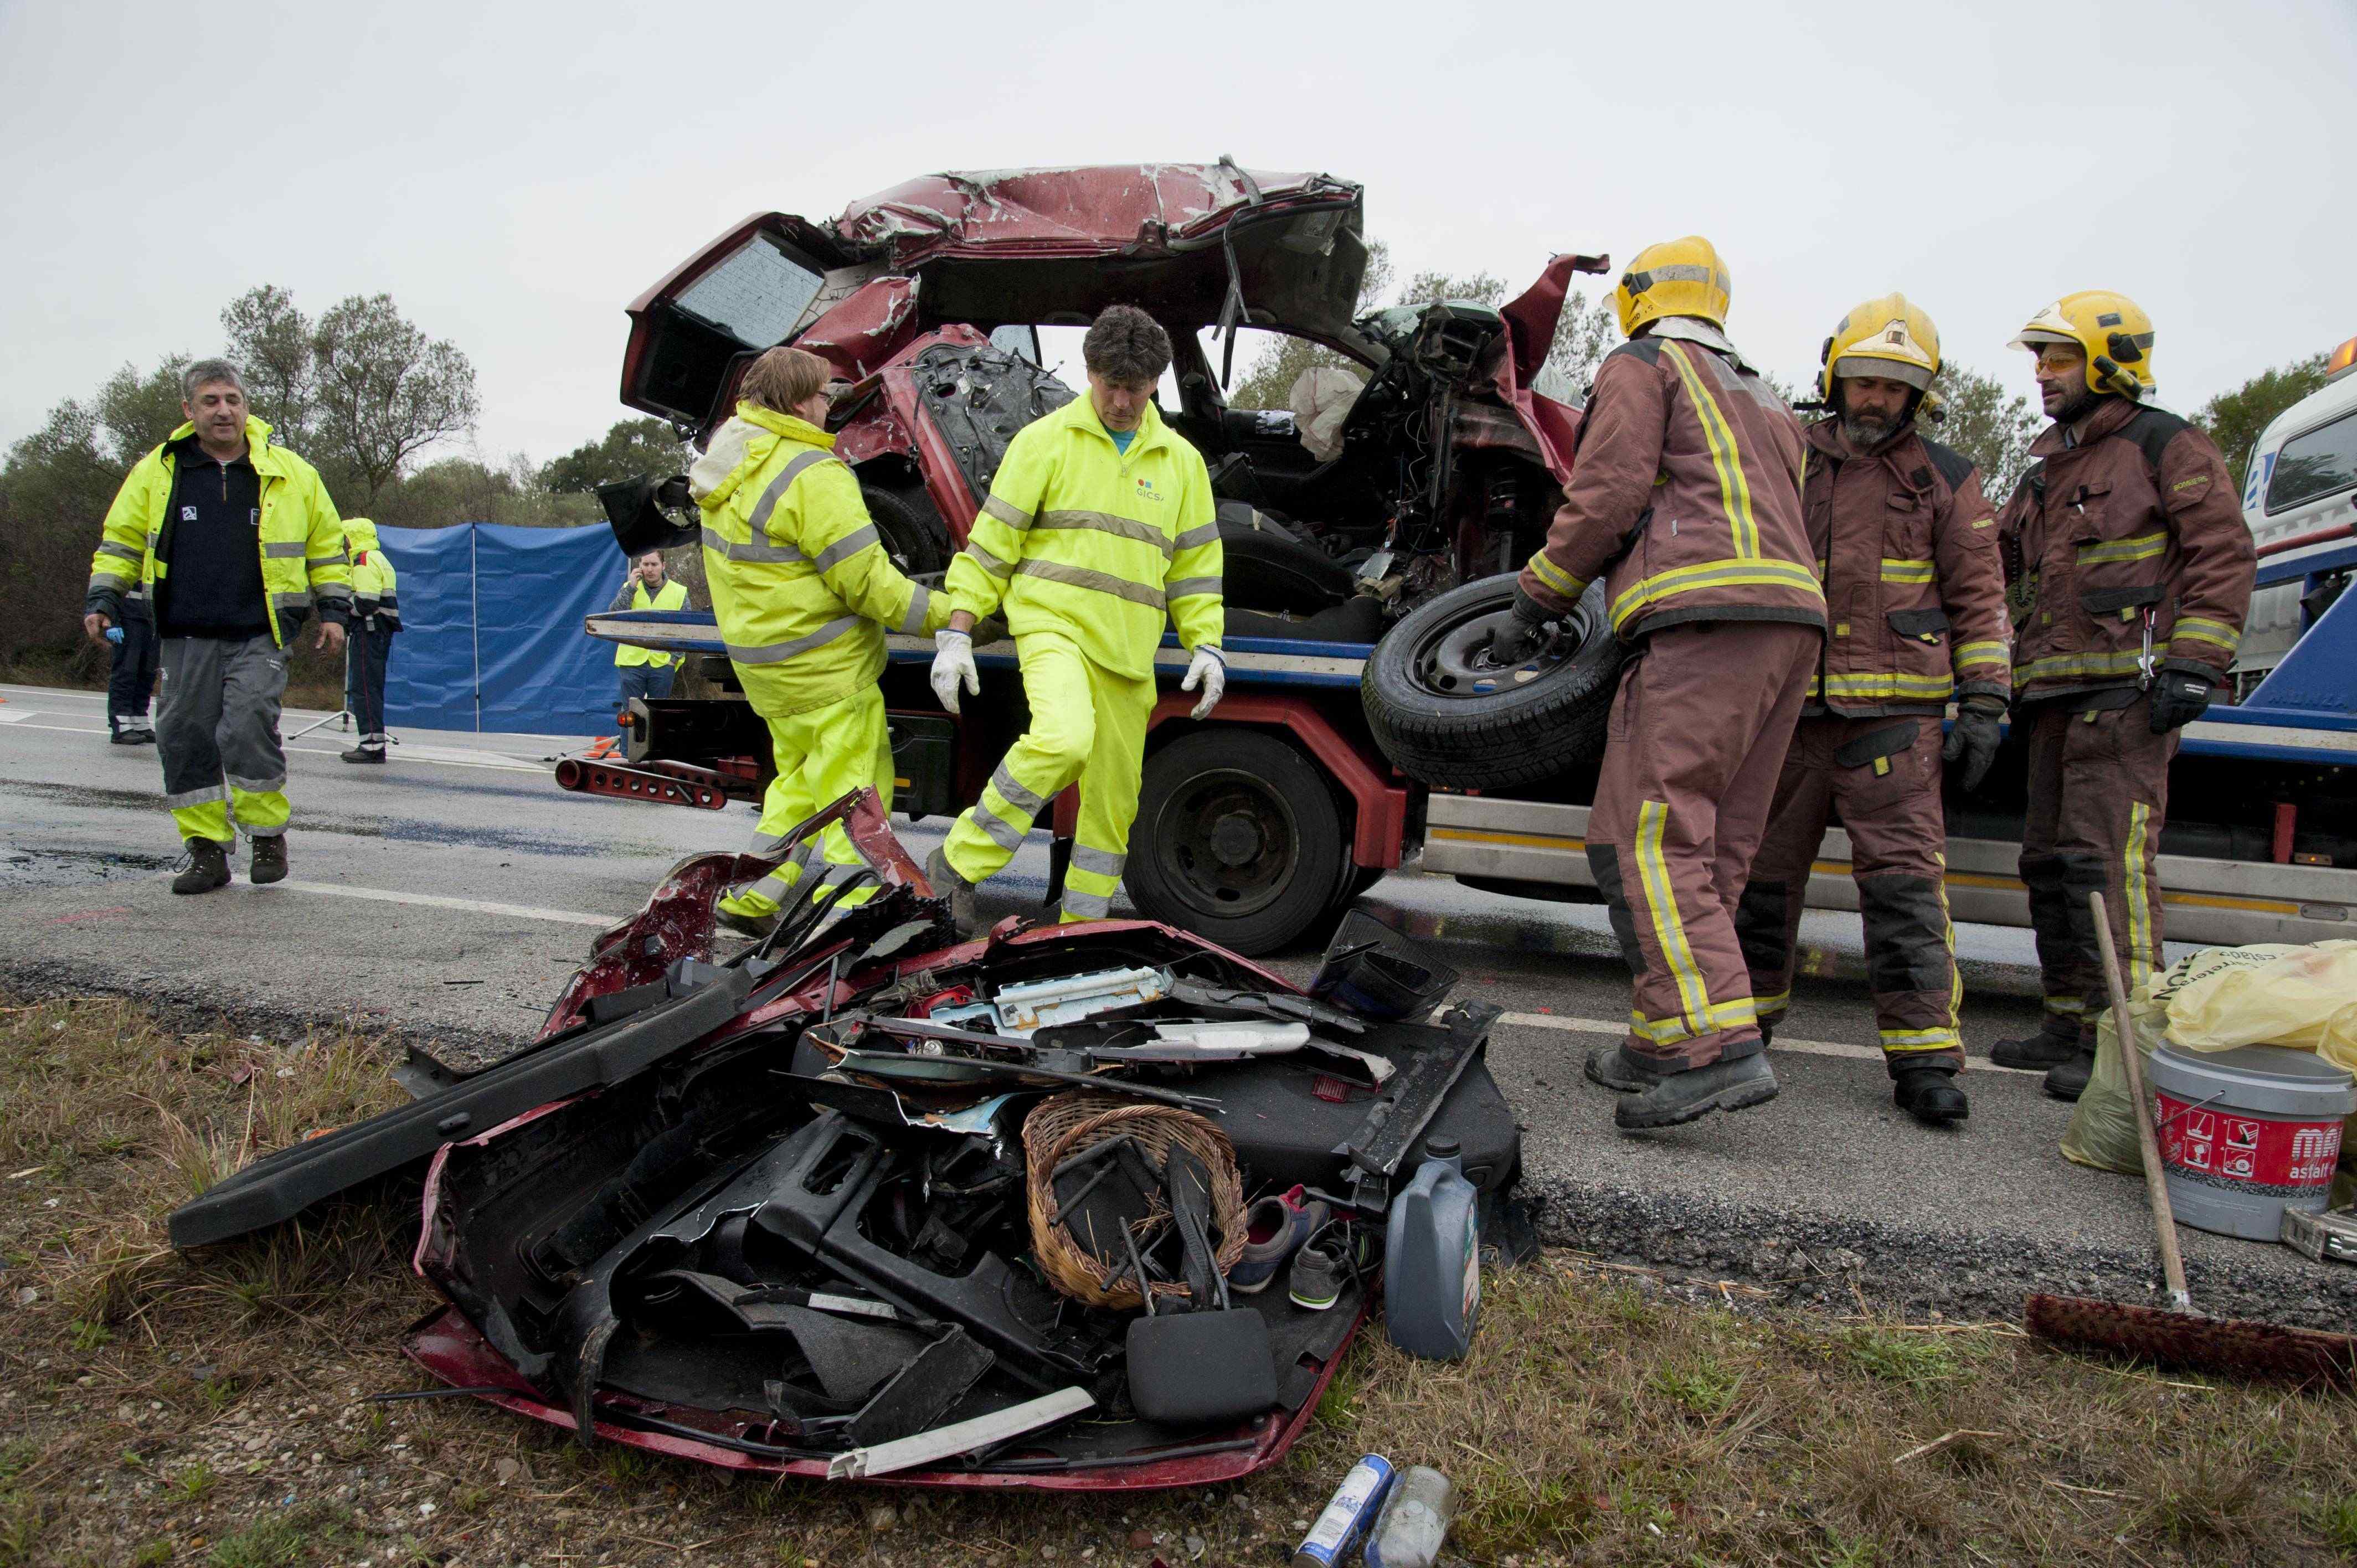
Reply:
x=475, y=616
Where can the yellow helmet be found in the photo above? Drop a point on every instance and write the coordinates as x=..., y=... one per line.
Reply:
x=1885, y=337
x=1677, y=277
x=2110, y=329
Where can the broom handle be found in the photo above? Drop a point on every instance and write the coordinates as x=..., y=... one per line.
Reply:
x=2156, y=1180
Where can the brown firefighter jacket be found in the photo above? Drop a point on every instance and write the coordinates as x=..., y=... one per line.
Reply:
x=1914, y=587
x=1685, y=488
x=2137, y=525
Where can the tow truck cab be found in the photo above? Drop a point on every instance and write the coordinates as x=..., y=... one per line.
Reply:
x=2301, y=486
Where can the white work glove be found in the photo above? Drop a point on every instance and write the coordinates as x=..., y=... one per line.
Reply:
x=1210, y=671
x=953, y=663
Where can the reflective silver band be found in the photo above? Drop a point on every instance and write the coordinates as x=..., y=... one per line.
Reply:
x=340, y=559
x=102, y=575
x=759, y=523
x=282, y=549
x=845, y=548
x=1087, y=905
x=296, y=601
x=920, y=605
x=258, y=786
x=1684, y=272
x=1012, y=791
x=779, y=652
x=188, y=797
x=1183, y=587
x=1100, y=582
x=715, y=540
x=1014, y=519
x=1207, y=534
x=999, y=831
x=989, y=562
x=1108, y=522
x=1097, y=860
x=108, y=547
x=335, y=594
x=776, y=885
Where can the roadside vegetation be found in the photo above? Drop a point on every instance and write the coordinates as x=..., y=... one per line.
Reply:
x=160, y=1410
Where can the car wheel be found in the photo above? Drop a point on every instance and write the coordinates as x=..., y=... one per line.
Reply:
x=1448, y=715
x=1237, y=840
x=910, y=527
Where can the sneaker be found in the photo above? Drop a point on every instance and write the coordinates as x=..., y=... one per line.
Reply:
x=364, y=754
x=1930, y=1095
x=269, y=860
x=207, y=867
x=2056, y=1042
x=1684, y=1096
x=1275, y=1229
x=1319, y=1270
x=948, y=884
x=1620, y=1069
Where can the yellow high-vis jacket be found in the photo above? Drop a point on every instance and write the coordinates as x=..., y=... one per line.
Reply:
x=801, y=582
x=672, y=595
x=1081, y=539
x=376, y=587
x=301, y=539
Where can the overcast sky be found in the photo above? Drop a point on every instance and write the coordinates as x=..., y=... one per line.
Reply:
x=513, y=174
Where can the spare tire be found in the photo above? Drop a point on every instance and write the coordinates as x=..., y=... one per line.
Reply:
x=1269, y=567
x=1447, y=715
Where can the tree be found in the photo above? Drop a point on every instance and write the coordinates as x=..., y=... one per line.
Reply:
x=2235, y=420
x=1979, y=421
x=1584, y=334
x=136, y=413
x=270, y=341
x=385, y=391
x=633, y=446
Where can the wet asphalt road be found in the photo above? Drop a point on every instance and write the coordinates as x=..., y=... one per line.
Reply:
x=449, y=893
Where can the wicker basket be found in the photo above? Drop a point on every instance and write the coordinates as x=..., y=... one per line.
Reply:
x=1064, y=1125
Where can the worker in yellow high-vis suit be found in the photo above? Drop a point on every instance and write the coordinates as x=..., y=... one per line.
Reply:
x=1099, y=522
x=803, y=588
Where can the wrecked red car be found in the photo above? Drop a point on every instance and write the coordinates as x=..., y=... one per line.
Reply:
x=1430, y=462
x=864, y=1200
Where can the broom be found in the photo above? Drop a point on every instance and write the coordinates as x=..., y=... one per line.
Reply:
x=2177, y=1335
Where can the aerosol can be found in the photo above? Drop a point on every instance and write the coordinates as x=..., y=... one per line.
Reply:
x=1432, y=1258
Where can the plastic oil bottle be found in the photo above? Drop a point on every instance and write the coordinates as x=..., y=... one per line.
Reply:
x=1432, y=1258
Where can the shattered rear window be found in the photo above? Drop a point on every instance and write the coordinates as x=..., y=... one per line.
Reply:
x=755, y=296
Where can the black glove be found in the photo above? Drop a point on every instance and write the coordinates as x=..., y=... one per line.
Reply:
x=1526, y=634
x=1974, y=740
x=2178, y=697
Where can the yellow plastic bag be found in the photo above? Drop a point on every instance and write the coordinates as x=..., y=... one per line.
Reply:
x=2269, y=995
x=2103, y=1131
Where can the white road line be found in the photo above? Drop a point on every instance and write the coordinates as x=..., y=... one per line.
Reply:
x=444, y=759
x=436, y=901
x=1783, y=1043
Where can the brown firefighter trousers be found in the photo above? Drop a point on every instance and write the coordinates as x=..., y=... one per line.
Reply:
x=2098, y=794
x=1697, y=735
x=1881, y=777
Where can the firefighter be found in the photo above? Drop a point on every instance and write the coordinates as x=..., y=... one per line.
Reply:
x=1906, y=551
x=2129, y=574
x=236, y=542
x=1099, y=523
x=803, y=588
x=1686, y=498
x=376, y=616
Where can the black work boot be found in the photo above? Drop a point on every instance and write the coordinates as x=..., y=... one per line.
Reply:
x=207, y=867
x=1620, y=1069
x=364, y=754
x=1684, y=1096
x=2068, y=1079
x=948, y=884
x=2056, y=1041
x=269, y=860
x=1930, y=1095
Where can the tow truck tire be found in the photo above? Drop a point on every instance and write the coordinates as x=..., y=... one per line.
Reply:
x=910, y=526
x=1446, y=718
x=1237, y=840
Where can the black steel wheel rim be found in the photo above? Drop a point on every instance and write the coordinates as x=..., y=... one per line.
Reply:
x=1450, y=658
x=1226, y=843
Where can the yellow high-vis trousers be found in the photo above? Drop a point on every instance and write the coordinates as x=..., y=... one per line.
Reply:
x=822, y=753
x=1087, y=723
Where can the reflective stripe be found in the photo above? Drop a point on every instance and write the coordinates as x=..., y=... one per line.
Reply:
x=1764, y=1005
x=845, y=548
x=1012, y=791
x=1921, y=1040
x=1205, y=534
x=779, y=652
x=108, y=547
x=1188, y=587
x=716, y=540
x=102, y=575
x=339, y=559
x=1097, y=860
x=1903, y=571
x=1681, y=271
x=1555, y=577
x=1981, y=653
x=188, y=797
x=1661, y=903
x=777, y=885
x=335, y=594
x=2202, y=630
x=1890, y=685
x=1734, y=490
x=1007, y=513
x=1000, y=831
x=2067, y=1007
x=759, y=525
x=2136, y=547
x=1714, y=574
x=1087, y=905
x=300, y=600
x=1670, y=1031
x=2138, y=895
x=2061, y=665
x=1097, y=582
x=1109, y=522
x=257, y=786
x=980, y=553
x=282, y=549
x=920, y=605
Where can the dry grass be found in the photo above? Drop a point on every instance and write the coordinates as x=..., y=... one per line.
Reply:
x=159, y=1410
